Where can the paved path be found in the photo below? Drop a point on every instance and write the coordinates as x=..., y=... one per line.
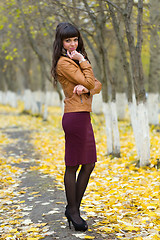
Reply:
x=43, y=201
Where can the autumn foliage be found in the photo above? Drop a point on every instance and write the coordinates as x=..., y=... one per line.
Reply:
x=121, y=198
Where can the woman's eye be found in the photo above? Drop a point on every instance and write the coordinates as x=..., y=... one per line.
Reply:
x=69, y=40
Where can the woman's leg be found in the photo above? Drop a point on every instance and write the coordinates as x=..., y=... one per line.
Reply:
x=82, y=181
x=70, y=189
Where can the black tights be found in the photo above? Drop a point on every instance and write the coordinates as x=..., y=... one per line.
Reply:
x=75, y=188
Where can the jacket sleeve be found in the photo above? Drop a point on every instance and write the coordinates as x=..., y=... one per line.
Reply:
x=97, y=88
x=82, y=75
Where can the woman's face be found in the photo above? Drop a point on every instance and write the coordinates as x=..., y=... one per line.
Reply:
x=70, y=44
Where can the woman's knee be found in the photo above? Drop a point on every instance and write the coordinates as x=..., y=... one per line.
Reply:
x=72, y=169
x=89, y=167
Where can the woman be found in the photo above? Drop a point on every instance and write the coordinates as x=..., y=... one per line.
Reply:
x=71, y=67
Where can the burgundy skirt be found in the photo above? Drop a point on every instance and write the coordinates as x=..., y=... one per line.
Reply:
x=80, y=145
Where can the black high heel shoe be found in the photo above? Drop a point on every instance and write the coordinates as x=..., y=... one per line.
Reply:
x=78, y=227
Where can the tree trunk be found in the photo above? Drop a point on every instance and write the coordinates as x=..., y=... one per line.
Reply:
x=3, y=86
x=106, y=67
x=108, y=123
x=138, y=111
x=107, y=111
x=153, y=108
x=138, y=80
x=115, y=130
x=143, y=134
x=122, y=48
x=97, y=107
x=28, y=99
x=134, y=121
x=154, y=69
x=121, y=104
x=120, y=85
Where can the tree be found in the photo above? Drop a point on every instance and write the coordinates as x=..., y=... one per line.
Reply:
x=154, y=68
x=139, y=117
x=27, y=40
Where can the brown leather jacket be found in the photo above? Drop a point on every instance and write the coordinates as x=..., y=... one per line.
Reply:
x=69, y=75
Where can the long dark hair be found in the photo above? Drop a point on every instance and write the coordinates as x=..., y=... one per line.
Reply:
x=65, y=30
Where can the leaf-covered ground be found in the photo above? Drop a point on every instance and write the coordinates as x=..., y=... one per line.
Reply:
x=122, y=199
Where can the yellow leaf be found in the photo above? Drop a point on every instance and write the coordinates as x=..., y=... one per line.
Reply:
x=33, y=193
x=156, y=237
x=138, y=238
x=22, y=192
x=32, y=238
x=107, y=229
x=89, y=237
x=131, y=228
x=41, y=224
x=33, y=229
x=13, y=222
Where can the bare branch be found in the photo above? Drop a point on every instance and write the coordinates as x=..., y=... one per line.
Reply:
x=90, y=13
x=73, y=8
x=32, y=42
x=115, y=6
x=128, y=9
x=90, y=45
x=63, y=6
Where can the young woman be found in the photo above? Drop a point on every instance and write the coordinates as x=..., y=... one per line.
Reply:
x=71, y=67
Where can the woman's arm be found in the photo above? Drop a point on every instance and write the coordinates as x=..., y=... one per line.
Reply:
x=82, y=75
x=80, y=89
x=97, y=88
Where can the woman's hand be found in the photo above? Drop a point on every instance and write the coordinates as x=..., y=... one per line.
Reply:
x=75, y=55
x=80, y=89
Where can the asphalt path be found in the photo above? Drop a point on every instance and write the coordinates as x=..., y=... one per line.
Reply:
x=42, y=201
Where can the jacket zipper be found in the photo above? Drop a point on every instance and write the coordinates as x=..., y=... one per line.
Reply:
x=81, y=99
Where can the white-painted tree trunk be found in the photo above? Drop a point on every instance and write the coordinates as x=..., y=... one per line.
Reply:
x=45, y=112
x=12, y=99
x=140, y=125
x=1, y=97
x=46, y=103
x=134, y=122
x=35, y=106
x=97, y=106
x=54, y=101
x=121, y=102
x=38, y=100
x=28, y=99
x=153, y=108
x=108, y=121
x=33, y=101
x=143, y=128
x=39, y=96
x=5, y=98
x=115, y=129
